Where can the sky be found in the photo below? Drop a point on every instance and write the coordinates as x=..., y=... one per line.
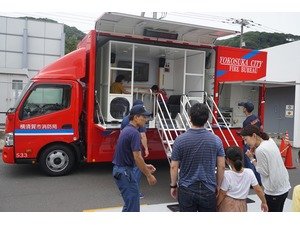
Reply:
x=281, y=22
x=276, y=17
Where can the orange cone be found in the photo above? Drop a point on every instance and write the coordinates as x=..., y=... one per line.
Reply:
x=285, y=143
x=286, y=151
x=289, y=158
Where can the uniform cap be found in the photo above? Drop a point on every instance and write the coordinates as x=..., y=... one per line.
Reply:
x=139, y=110
x=138, y=102
x=247, y=105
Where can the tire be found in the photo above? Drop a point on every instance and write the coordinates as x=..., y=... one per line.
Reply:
x=57, y=160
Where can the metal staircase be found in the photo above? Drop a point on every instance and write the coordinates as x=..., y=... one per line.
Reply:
x=169, y=128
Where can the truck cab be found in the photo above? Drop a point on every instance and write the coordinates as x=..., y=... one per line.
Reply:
x=44, y=125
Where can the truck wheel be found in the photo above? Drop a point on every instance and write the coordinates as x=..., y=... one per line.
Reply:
x=57, y=160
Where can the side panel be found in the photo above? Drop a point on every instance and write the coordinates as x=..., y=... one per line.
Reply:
x=105, y=142
x=231, y=142
x=238, y=64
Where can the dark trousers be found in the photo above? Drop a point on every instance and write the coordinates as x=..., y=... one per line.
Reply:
x=196, y=199
x=276, y=202
x=129, y=188
x=138, y=176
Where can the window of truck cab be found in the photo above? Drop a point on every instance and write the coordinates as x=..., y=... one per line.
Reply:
x=45, y=99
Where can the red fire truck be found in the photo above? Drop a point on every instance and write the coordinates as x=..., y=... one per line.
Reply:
x=68, y=114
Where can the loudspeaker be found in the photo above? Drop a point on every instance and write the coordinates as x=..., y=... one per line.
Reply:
x=112, y=57
x=161, y=62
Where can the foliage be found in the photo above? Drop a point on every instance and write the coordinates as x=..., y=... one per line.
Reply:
x=72, y=34
x=259, y=40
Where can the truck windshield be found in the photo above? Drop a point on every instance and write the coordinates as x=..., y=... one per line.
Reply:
x=28, y=85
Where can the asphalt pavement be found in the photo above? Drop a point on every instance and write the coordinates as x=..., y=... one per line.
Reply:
x=23, y=188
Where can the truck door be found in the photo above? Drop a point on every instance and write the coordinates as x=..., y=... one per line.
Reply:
x=48, y=114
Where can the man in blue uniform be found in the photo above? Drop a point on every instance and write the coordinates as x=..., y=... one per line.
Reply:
x=127, y=156
x=142, y=131
x=252, y=119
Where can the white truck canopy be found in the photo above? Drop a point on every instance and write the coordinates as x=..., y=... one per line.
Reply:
x=268, y=84
x=136, y=25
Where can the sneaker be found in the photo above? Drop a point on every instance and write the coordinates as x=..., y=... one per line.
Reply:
x=142, y=196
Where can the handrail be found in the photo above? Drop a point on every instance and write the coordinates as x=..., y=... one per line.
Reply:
x=165, y=124
x=218, y=125
x=225, y=122
x=188, y=101
x=184, y=111
x=165, y=134
x=165, y=131
x=168, y=113
x=182, y=121
x=208, y=98
x=99, y=111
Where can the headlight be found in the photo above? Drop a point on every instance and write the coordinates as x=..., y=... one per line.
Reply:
x=9, y=139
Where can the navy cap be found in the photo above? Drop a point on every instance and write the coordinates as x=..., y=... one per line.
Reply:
x=139, y=110
x=247, y=105
x=138, y=102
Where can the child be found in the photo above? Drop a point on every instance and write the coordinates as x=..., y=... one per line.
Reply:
x=158, y=91
x=236, y=184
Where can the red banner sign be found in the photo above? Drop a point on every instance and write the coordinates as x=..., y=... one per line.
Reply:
x=238, y=64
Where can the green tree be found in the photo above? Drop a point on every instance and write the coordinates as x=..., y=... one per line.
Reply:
x=71, y=44
x=73, y=36
x=259, y=40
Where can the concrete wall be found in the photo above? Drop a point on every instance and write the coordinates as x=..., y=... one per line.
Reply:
x=29, y=44
x=275, y=119
x=26, y=46
x=283, y=65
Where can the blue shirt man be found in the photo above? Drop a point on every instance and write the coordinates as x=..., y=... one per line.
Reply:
x=196, y=153
x=252, y=119
x=128, y=155
x=142, y=130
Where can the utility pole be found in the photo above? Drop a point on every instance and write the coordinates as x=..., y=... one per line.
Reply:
x=243, y=23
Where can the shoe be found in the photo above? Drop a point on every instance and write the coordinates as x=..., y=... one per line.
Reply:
x=142, y=196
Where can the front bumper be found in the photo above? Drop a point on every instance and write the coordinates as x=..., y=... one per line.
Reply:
x=8, y=155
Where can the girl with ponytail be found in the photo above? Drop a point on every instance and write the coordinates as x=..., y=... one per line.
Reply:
x=236, y=184
x=266, y=158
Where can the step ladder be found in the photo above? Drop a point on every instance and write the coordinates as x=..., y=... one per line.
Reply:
x=169, y=129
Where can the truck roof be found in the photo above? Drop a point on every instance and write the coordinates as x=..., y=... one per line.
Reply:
x=137, y=25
